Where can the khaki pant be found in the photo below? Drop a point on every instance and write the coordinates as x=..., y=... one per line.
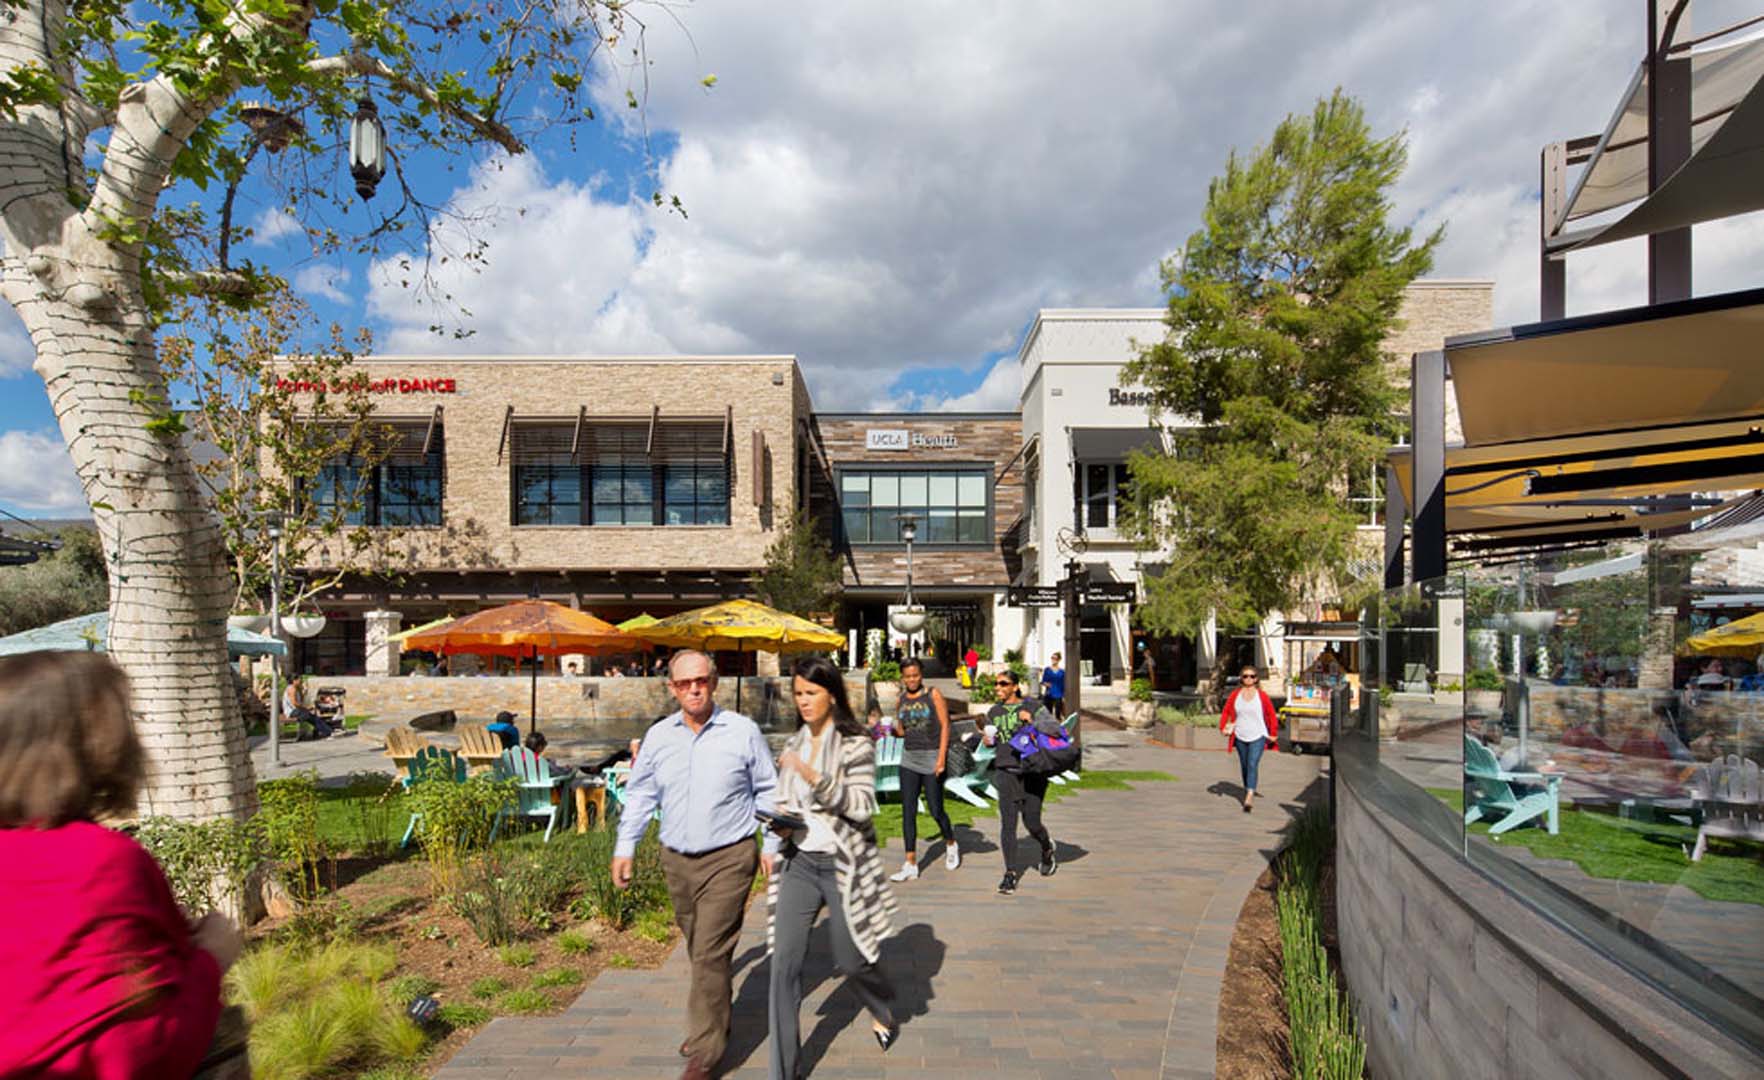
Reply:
x=710, y=894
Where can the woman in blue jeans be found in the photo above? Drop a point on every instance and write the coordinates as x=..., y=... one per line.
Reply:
x=1250, y=725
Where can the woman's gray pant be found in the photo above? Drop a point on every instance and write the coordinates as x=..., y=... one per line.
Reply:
x=808, y=883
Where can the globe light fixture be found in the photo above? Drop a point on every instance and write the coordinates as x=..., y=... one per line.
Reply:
x=367, y=147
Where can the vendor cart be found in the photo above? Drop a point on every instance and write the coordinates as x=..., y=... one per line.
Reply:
x=1320, y=660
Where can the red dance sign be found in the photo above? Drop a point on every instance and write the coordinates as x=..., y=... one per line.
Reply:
x=372, y=386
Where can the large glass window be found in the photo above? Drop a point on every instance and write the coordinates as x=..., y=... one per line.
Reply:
x=405, y=488
x=1100, y=489
x=619, y=475
x=950, y=505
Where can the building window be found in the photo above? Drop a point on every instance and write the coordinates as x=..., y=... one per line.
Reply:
x=620, y=473
x=1098, y=491
x=405, y=488
x=952, y=506
x=1365, y=494
x=339, y=649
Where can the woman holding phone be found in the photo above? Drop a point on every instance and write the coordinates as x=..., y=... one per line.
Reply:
x=827, y=780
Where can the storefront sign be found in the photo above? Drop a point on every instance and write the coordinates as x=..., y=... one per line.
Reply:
x=1033, y=596
x=372, y=386
x=902, y=439
x=1111, y=592
x=1118, y=396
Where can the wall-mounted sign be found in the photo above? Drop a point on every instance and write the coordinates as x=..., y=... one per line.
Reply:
x=1033, y=596
x=1111, y=592
x=1118, y=396
x=902, y=439
x=372, y=386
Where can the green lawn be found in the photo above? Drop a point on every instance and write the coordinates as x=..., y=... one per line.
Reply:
x=1606, y=846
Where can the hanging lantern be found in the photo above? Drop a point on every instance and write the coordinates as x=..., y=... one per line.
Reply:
x=367, y=148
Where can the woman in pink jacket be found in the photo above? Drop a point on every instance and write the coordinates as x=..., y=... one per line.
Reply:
x=105, y=977
x=1250, y=725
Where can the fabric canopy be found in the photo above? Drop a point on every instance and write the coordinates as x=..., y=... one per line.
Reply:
x=637, y=622
x=740, y=625
x=88, y=633
x=524, y=628
x=1113, y=444
x=1741, y=637
x=423, y=628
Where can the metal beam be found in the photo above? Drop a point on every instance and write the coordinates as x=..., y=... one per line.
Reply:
x=576, y=437
x=1552, y=273
x=429, y=435
x=1427, y=537
x=1396, y=512
x=654, y=421
x=502, y=443
x=1669, y=143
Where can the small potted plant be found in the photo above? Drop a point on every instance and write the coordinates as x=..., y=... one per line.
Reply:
x=1482, y=692
x=1137, y=710
x=885, y=684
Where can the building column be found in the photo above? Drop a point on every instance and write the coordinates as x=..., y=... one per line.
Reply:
x=1657, y=650
x=1450, y=610
x=382, y=652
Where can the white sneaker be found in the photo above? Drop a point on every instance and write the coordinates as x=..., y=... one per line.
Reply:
x=952, y=858
x=907, y=872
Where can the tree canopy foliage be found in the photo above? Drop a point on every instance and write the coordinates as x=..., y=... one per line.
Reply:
x=802, y=574
x=67, y=583
x=1273, y=376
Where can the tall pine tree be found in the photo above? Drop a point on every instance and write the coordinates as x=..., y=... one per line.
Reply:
x=1279, y=309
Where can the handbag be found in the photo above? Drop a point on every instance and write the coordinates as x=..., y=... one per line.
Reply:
x=1045, y=748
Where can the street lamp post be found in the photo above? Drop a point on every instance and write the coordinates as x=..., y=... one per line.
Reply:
x=1076, y=579
x=911, y=618
x=275, y=704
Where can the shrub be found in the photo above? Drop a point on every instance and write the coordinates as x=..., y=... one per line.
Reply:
x=884, y=671
x=290, y=817
x=559, y=977
x=488, y=900
x=456, y=819
x=1324, y=1035
x=984, y=652
x=1483, y=679
x=406, y=988
x=488, y=987
x=1021, y=671
x=543, y=883
x=1012, y=656
x=523, y=1001
x=518, y=955
x=317, y=1012
x=619, y=907
x=465, y=1016
x=575, y=943
x=656, y=926
x=1189, y=717
x=374, y=812
x=1139, y=690
x=620, y=960
x=203, y=859
x=982, y=693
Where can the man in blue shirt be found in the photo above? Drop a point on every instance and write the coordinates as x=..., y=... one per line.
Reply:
x=708, y=770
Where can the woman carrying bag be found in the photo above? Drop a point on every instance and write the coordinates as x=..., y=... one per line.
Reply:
x=826, y=780
x=1250, y=725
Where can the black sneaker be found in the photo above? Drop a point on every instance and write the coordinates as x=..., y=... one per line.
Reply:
x=1008, y=884
x=1048, y=863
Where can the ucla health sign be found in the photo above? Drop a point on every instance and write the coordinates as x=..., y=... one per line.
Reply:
x=902, y=439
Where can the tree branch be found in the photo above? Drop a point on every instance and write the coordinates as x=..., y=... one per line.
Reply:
x=358, y=63
x=215, y=282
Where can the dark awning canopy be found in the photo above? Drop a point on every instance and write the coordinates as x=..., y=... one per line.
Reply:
x=1113, y=444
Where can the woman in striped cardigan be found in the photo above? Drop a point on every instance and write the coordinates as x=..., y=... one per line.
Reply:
x=827, y=777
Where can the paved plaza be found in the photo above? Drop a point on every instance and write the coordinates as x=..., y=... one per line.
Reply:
x=1110, y=968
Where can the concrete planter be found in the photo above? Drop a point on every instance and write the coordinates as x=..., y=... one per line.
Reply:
x=887, y=696
x=1180, y=736
x=257, y=624
x=1138, y=715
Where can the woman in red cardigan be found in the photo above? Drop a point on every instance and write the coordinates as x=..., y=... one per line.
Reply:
x=1250, y=725
x=106, y=977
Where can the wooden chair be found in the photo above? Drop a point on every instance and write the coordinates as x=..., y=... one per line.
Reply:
x=1731, y=798
x=402, y=744
x=888, y=751
x=479, y=747
x=1489, y=792
x=431, y=765
x=539, y=793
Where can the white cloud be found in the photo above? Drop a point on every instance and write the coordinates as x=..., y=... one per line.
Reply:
x=884, y=190
x=36, y=474
x=272, y=225
x=322, y=279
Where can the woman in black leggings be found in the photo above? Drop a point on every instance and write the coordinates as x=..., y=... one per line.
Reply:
x=922, y=719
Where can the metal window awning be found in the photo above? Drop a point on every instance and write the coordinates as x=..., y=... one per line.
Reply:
x=1719, y=179
x=1093, y=444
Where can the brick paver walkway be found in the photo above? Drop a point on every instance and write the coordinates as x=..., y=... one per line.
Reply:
x=1136, y=927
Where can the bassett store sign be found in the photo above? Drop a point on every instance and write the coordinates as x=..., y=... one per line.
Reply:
x=902, y=439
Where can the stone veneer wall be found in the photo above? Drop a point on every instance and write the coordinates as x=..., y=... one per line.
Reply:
x=1432, y=311
x=1454, y=976
x=560, y=697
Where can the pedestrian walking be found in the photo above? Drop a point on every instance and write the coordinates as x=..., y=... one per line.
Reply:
x=1020, y=794
x=921, y=720
x=708, y=769
x=105, y=975
x=971, y=660
x=827, y=779
x=1250, y=725
x=1053, y=687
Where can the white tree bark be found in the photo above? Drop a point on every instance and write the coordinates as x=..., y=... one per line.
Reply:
x=78, y=289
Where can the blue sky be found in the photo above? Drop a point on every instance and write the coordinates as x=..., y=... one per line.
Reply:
x=890, y=192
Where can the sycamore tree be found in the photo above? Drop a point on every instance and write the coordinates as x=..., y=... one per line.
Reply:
x=1273, y=375
x=125, y=132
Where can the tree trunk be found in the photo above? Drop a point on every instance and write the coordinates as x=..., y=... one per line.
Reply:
x=170, y=586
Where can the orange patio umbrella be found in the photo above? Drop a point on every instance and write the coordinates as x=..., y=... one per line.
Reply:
x=525, y=628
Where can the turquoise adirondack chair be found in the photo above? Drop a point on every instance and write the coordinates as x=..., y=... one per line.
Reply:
x=970, y=785
x=1490, y=794
x=538, y=794
x=888, y=749
x=431, y=764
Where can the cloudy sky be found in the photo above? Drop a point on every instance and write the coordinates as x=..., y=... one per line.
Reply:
x=890, y=191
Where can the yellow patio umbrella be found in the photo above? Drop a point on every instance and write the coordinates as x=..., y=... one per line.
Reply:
x=526, y=628
x=424, y=628
x=1741, y=637
x=740, y=626
x=638, y=622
